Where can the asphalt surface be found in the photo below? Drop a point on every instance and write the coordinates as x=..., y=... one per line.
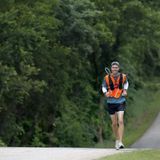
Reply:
x=151, y=138
x=24, y=153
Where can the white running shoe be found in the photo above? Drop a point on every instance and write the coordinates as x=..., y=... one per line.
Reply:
x=121, y=145
x=117, y=144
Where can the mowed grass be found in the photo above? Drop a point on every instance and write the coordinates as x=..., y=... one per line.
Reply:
x=136, y=155
x=143, y=113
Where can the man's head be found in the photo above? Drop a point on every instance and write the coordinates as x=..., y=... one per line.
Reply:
x=114, y=67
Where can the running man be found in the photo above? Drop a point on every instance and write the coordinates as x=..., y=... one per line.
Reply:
x=115, y=87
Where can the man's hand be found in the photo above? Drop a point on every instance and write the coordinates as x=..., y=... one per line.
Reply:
x=107, y=94
x=124, y=93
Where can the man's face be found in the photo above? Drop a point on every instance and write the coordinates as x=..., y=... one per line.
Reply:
x=115, y=69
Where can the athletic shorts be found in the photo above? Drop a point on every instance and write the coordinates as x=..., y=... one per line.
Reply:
x=112, y=108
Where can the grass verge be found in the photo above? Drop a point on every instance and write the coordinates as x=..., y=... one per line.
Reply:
x=136, y=155
x=142, y=114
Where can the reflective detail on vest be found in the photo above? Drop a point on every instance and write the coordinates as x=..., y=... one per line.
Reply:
x=115, y=87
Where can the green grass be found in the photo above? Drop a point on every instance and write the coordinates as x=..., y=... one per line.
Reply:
x=136, y=155
x=144, y=111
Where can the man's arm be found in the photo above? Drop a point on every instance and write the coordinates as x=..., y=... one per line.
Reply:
x=104, y=88
x=125, y=88
x=126, y=85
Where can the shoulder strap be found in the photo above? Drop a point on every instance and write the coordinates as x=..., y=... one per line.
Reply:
x=124, y=78
x=111, y=82
x=121, y=81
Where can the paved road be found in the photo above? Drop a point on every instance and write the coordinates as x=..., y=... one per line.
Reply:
x=151, y=138
x=25, y=153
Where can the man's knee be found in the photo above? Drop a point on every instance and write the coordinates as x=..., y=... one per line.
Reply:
x=120, y=122
x=114, y=123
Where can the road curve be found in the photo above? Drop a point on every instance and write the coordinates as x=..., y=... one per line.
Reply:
x=24, y=153
x=151, y=138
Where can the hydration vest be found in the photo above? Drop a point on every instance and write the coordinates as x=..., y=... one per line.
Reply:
x=115, y=87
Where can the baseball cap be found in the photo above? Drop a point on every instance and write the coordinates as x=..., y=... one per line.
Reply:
x=115, y=63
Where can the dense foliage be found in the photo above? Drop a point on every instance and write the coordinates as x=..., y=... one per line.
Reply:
x=52, y=59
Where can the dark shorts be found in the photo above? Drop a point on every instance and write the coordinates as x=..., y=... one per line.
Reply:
x=112, y=108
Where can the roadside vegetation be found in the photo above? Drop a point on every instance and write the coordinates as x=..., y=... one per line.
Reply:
x=52, y=59
x=136, y=155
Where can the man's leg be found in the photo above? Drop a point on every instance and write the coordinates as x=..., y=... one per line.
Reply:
x=115, y=125
x=121, y=125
